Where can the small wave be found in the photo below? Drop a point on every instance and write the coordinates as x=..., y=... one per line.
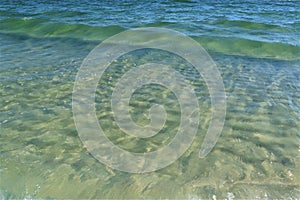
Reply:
x=250, y=25
x=227, y=45
x=250, y=48
x=42, y=28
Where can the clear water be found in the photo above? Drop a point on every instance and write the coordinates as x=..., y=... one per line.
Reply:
x=255, y=45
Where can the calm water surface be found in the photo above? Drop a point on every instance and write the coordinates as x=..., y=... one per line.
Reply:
x=255, y=45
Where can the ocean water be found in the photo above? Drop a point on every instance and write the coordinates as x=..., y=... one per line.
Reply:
x=256, y=47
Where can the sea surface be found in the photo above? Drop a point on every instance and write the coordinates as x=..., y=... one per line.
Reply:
x=256, y=47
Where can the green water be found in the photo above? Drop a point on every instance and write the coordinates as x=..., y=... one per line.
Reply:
x=42, y=156
x=215, y=42
x=257, y=53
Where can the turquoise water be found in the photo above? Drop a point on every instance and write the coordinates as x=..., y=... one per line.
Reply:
x=256, y=47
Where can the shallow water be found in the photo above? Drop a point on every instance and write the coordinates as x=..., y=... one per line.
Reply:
x=257, y=54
